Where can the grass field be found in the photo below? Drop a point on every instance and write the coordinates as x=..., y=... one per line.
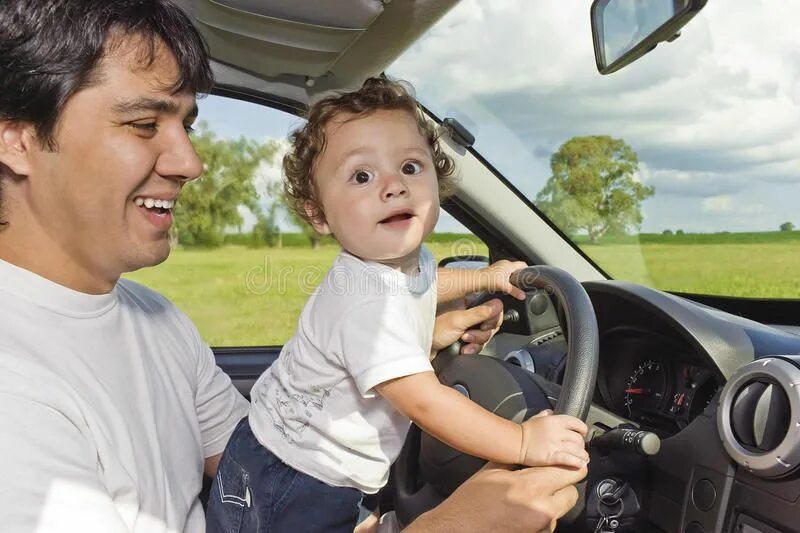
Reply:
x=241, y=296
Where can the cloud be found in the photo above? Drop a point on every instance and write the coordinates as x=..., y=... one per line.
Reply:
x=718, y=204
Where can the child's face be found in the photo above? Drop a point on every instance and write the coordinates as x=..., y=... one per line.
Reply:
x=377, y=185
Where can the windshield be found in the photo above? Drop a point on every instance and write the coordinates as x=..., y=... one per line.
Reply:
x=681, y=171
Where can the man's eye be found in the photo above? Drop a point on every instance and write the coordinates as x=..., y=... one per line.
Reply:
x=412, y=167
x=148, y=127
x=362, y=176
x=189, y=129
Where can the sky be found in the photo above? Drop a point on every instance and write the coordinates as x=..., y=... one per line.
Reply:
x=714, y=116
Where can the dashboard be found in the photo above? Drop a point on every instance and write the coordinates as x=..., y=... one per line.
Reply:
x=664, y=362
x=663, y=359
x=721, y=391
x=654, y=381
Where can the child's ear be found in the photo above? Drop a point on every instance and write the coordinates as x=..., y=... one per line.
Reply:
x=317, y=219
x=16, y=141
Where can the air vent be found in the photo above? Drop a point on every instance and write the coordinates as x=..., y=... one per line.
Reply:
x=759, y=417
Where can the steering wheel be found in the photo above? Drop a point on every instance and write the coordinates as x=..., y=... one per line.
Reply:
x=427, y=470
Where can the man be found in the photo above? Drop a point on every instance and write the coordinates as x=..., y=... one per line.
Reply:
x=111, y=405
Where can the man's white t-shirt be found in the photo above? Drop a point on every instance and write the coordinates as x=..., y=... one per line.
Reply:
x=109, y=405
x=315, y=407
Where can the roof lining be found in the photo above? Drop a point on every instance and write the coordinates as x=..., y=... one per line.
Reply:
x=299, y=61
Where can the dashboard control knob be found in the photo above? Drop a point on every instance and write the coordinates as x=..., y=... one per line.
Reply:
x=539, y=303
x=704, y=495
x=694, y=527
x=634, y=440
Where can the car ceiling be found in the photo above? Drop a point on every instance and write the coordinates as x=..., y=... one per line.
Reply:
x=294, y=50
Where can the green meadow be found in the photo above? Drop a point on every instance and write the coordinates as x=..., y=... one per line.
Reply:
x=243, y=296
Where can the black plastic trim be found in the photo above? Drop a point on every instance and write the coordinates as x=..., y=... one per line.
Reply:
x=245, y=365
x=459, y=133
x=766, y=311
x=287, y=105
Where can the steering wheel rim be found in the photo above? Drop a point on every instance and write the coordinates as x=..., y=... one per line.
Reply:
x=582, y=359
x=427, y=470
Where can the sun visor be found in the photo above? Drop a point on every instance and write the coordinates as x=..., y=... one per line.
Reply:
x=284, y=37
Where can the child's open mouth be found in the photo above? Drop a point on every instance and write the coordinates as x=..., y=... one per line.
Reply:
x=398, y=218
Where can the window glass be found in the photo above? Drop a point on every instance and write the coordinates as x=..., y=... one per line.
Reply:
x=244, y=275
x=679, y=171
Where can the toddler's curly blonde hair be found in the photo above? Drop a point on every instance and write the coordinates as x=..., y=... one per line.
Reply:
x=309, y=141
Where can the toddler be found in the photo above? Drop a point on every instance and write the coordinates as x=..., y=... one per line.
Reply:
x=331, y=414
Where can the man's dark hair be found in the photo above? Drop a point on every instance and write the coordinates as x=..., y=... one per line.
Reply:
x=50, y=49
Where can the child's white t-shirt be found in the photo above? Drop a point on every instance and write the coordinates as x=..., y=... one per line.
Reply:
x=315, y=408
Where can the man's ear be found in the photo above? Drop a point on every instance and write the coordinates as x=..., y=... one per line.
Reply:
x=317, y=219
x=16, y=141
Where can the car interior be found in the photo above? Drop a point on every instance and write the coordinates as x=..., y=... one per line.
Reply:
x=693, y=402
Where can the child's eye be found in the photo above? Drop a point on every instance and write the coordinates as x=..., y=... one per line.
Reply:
x=412, y=167
x=362, y=176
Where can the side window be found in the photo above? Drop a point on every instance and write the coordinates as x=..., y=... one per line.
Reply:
x=450, y=239
x=241, y=266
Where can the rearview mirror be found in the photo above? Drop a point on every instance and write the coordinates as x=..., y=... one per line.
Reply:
x=625, y=30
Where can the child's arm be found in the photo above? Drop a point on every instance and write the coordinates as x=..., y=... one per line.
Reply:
x=468, y=427
x=454, y=419
x=455, y=283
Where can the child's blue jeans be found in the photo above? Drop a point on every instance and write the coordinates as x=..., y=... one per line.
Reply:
x=254, y=491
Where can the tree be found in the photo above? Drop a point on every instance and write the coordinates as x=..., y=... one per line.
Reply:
x=275, y=191
x=314, y=238
x=666, y=232
x=592, y=187
x=211, y=203
x=266, y=229
x=787, y=226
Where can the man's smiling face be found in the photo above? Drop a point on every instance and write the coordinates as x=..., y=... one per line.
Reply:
x=101, y=203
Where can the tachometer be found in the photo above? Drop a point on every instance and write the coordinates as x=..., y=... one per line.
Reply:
x=703, y=397
x=645, y=388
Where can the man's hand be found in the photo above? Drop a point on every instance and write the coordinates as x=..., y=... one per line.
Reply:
x=498, y=499
x=211, y=464
x=474, y=326
x=368, y=525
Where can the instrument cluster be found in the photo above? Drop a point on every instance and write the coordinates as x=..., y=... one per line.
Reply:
x=651, y=381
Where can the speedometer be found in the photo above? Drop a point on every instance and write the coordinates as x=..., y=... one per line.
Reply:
x=645, y=388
